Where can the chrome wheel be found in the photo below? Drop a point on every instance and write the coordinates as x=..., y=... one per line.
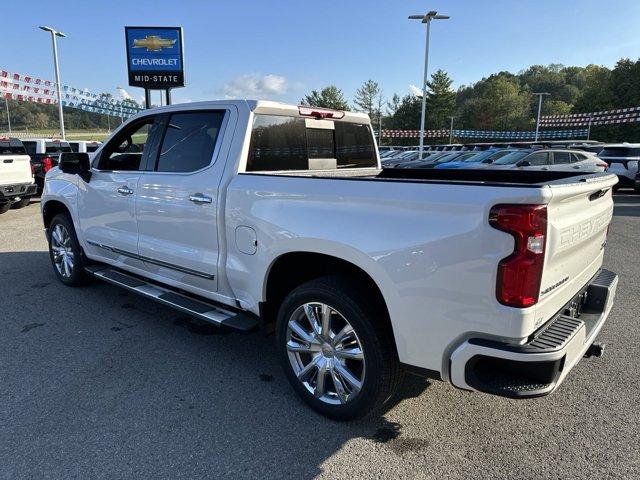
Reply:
x=63, y=257
x=325, y=353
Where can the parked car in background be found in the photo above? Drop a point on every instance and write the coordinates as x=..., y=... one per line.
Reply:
x=44, y=153
x=550, y=159
x=84, y=146
x=486, y=156
x=432, y=162
x=594, y=148
x=16, y=180
x=623, y=159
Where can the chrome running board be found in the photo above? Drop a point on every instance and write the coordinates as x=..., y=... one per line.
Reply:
x=204, y=310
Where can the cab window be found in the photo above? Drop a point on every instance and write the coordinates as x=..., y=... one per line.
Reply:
x=189, y=141
x=124, y=152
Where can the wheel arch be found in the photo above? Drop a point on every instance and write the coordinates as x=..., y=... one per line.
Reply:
x=51, y=208
x=285, y=273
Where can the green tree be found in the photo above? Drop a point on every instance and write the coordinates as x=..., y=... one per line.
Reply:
x=441, y=100
x=367, y=98
x=500, y=103
x=328, y=97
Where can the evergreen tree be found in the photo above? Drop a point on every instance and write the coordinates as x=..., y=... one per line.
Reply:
x=366, y=99
x=441, y=100
x=328, y=97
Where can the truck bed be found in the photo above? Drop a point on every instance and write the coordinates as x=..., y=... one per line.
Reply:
x=513, y=178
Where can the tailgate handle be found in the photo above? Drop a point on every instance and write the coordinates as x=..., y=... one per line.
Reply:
x=598, y=194
x=8, y=160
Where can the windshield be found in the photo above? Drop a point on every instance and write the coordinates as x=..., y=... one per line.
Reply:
x=511, y=158
x=479, y=156
x=447, y=158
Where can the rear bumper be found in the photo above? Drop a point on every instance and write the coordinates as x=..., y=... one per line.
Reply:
x=539, y=366
x=9, y=193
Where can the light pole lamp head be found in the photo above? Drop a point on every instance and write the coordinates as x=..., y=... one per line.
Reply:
x=52, y=30
x=432, y=15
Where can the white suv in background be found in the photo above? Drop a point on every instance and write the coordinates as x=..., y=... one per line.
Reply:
x=623, y=161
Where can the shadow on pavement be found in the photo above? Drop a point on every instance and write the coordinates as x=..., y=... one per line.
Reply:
x=626, y=204
x=99, y=382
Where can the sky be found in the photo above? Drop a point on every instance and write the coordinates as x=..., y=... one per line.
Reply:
x=281, y=50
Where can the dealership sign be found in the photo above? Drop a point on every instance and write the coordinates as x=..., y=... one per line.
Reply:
x=155, y=57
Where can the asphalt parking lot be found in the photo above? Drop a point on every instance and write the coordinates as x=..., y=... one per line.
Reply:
x=98, y=383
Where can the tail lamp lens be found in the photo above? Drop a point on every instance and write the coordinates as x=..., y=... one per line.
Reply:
x=47, y=164
x=520, y=274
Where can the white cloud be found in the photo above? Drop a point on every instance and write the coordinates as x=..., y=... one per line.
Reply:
x=123, y=94
x=256, y=85
x=415, y=91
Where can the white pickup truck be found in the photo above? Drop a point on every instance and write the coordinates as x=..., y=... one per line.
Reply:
x=16, y=178
x=254, y=214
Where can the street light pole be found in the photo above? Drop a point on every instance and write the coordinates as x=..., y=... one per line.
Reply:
x=6, y=104
x=426, y=19
x=540, y=95
x=55, y=34
x=451, y=131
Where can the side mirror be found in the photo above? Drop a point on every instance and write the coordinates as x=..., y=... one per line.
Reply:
x=524, y=163
x=75, y=164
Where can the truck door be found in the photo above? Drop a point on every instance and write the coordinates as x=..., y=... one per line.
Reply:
x=177, y=206
x=106, y=204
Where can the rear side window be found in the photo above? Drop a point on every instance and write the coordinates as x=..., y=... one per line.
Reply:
x=292, y=143
x=189, y=141
x=57, y=147
x=619, y=152
x=578, y=157
x=537, y=159
x=31, y=148
x=75, y=147
x=561, y=157
x=12, y=147
x=92, y=148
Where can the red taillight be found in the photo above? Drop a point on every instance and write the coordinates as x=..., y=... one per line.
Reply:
x=603, y=165
x=33, y=169
x=47, y=164
x=319, y=112
x=520, y=274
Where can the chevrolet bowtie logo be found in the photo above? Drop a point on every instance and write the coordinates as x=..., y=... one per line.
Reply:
x=153, y=43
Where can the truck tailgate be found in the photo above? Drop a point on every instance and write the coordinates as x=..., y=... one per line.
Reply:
x=578, y=216
x=15, y=169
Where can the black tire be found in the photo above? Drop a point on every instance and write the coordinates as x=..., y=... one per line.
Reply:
x=78, y=276
x=4, y=207
x=21, y=203
x=383, y=372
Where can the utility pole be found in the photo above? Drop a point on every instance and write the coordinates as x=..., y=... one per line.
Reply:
x=55, y=34
x=540, y=95
x=451, y=131
x=380, y=119
x=6, y=104
x=432, y=15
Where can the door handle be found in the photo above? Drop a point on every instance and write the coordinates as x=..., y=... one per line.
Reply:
x=577, y=167
x=200, y=198
x=125, y=191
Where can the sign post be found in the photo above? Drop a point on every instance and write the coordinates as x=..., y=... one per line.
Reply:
x=155, y=59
